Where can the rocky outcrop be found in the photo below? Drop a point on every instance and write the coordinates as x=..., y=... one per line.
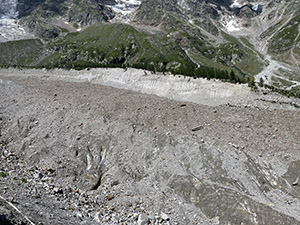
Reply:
x=25, y=7
x=45, y=18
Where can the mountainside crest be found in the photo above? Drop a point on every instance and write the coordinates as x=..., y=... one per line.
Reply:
x=251, y=38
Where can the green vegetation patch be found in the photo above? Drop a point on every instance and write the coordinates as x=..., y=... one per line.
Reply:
x=120, y=45
x=296, y=52
x=231, y=55
x=294, y=92
x=293, y=75
x=281, y=83
x=117, y=45
x=3, y=174
x=286, y=37
x=238, y=56
x=20, y=53
x=271, y=29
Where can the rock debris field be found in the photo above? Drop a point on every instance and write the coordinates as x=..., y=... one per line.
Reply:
x=73, y=151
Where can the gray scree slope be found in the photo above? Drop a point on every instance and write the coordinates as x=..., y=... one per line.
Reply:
x=81, y=153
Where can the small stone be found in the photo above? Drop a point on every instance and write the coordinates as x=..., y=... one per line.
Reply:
x=97, y=217
x=143, y=219
x=51, y=170
x=135, y=216
x=114, y=183
x=164, y=217
x=235, y=146
x=37, y=175
x=111, y=208
x=110, y=197
x=45, y=179
x=296, y=182
x=158, y=218
x=57, y=190
x=79, y=215
x=197, y=128
x=151, y=218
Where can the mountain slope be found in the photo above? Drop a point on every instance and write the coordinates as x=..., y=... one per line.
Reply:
x=21, y=53
x=256, y=38
x=51, y=18
x=117, y=45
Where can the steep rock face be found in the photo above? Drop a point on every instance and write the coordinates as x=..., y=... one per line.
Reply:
x=25, y=7
x=47, y=20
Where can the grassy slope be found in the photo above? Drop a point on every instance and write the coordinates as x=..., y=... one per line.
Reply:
x=117, y=45
x=247, y=61
x=286, y=37
x=120, y=45
x=231, y=55
x=285, y=40
x=20, y=53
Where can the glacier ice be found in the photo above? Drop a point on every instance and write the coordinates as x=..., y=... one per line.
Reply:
x=8, y=9
x=9, y=27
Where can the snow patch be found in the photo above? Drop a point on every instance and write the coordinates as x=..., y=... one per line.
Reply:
x=125, y=7
x=183, y=4
x=235, y=4
x=255, y=8
x=231, y=24
x=11, y=30
x=191, y=58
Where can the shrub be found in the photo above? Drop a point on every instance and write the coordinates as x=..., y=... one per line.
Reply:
x=3, y=174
